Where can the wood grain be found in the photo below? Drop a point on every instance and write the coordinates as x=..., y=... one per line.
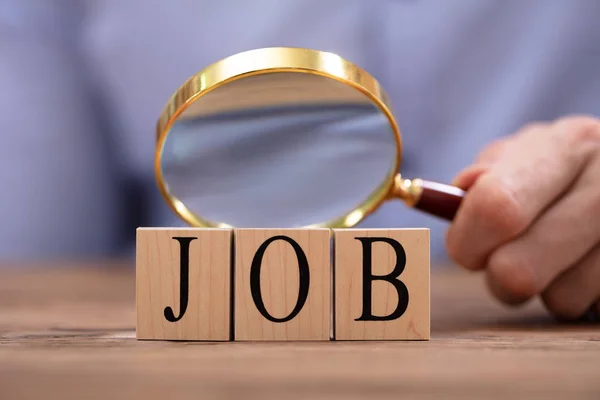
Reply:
x=280, y=273
x=399, y=306
x=158, y=284
x=67, y=331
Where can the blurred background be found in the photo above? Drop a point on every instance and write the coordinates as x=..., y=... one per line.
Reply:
x=83, y=82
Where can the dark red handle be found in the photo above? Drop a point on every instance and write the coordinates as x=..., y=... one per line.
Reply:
x=439, y=199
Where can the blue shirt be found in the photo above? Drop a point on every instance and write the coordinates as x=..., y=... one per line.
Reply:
x=83, y=83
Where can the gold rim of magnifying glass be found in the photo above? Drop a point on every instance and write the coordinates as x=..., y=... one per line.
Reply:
x=267, y=61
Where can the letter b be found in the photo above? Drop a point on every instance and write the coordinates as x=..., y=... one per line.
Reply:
x=381, y=284
x=392, y=278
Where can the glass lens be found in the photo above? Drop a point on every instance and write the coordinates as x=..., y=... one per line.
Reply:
x=282, y=149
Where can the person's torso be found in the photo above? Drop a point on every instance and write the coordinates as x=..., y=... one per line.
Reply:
x=459, y=73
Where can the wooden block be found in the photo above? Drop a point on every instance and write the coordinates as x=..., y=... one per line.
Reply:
x=282, y=284
x=183, y=284
x=381, y=288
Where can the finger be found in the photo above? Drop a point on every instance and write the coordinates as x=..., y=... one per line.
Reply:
x=536, y=168
x=467, y=178
x=575, y=291
x=563, y=235
x=490, y=154
x=493, y=152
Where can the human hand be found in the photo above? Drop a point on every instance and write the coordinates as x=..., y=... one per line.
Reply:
x=531, y=217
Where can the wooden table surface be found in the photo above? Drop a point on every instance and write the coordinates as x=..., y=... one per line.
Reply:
x=68, y=332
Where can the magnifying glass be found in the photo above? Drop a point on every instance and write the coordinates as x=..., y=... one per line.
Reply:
x=285, y=138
